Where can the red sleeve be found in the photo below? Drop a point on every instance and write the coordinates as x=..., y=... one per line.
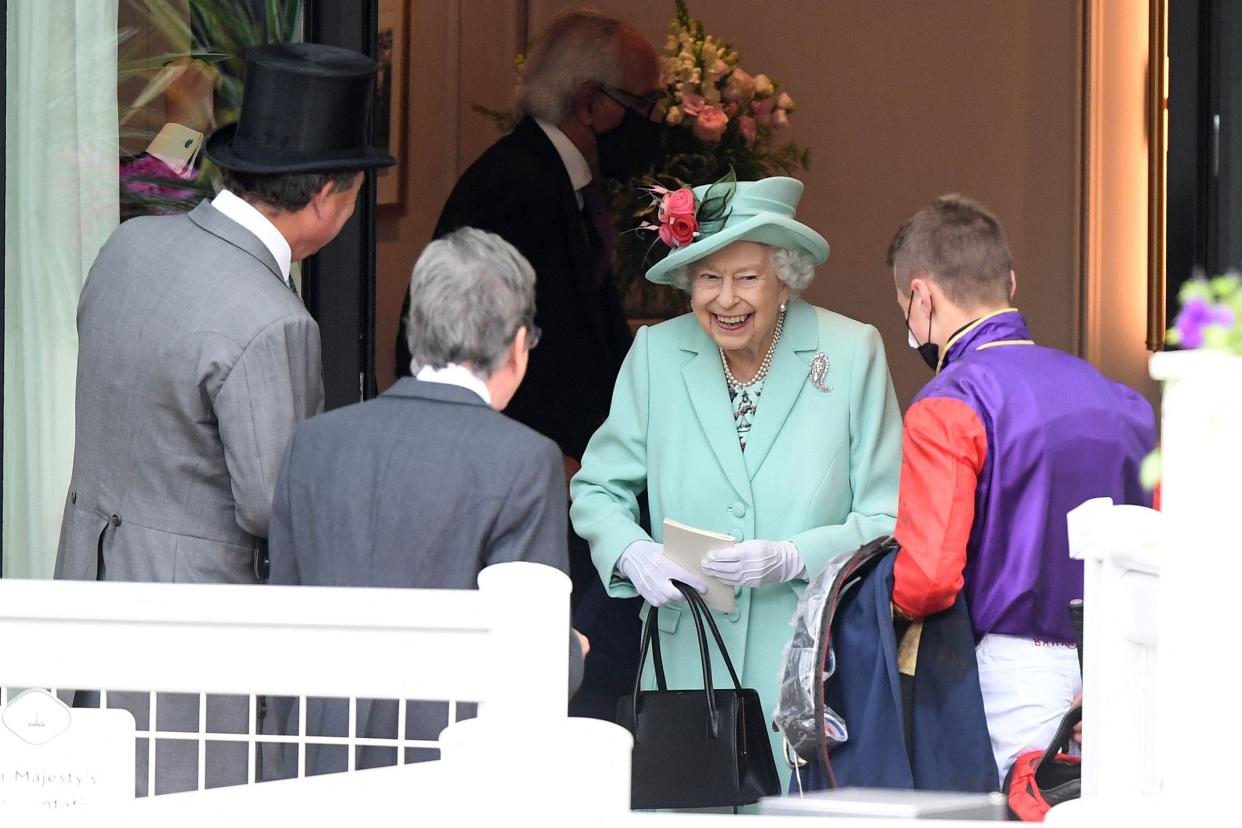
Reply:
x=943, y=449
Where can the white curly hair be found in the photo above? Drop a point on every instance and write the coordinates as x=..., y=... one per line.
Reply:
x=580, y=45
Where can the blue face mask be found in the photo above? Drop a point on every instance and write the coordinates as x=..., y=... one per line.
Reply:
x=929, y=351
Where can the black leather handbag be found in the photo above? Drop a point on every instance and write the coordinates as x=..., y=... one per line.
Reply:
x=696, y=748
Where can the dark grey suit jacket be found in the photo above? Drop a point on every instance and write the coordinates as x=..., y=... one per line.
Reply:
x=422, y=487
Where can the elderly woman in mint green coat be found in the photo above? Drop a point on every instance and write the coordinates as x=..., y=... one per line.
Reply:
x=756, y=415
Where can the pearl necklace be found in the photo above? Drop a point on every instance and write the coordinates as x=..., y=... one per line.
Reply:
x=763, y=366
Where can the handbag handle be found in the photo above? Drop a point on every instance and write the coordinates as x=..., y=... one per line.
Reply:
x=651, y=641
x=650, y=634
x=651, y=638
x=699, y=606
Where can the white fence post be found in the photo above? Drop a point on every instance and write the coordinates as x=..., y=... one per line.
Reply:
x=1200, y=575
x=1119, y=546
x=529, y=607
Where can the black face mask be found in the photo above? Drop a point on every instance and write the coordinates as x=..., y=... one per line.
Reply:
x=630, y=148
x=929, y=351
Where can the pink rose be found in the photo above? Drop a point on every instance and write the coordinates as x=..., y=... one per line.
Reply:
x=692, y=105
x=679, y=231
x=710, y=124
x=677, y=203
x=761, y=110
x=748, y=129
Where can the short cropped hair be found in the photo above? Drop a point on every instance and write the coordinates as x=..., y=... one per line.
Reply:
x=470, y=292
x=289, y=192
x=795, y=268
x=580, y=45
x=960, y=245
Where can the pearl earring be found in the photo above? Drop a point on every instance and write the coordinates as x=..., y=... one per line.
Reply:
x=782, y=307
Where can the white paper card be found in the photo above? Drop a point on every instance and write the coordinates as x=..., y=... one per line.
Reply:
x=685, y=546
x=54, y=758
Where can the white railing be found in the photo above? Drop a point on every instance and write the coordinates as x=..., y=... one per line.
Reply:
x=504, y=646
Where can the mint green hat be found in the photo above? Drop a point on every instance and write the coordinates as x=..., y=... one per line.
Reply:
x=759, y=211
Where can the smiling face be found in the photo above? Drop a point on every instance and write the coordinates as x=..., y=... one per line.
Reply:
x=736, y=296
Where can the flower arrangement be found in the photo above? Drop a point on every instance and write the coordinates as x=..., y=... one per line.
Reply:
x=720, y=116
x=718, y=119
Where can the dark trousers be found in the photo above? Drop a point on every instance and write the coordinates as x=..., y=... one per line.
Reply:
x=613, y=628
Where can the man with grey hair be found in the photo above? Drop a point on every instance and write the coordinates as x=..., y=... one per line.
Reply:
x=589, y=93
x=427, y=484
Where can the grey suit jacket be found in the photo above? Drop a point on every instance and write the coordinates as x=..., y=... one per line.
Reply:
x=196, y=362
x=422, y=487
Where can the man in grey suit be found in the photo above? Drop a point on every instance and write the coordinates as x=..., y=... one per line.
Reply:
x=429, y=483
x=197, y=360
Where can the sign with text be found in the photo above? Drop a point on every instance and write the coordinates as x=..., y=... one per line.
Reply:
x=53, y=757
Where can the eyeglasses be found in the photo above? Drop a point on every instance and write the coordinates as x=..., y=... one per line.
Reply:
x=644, y=105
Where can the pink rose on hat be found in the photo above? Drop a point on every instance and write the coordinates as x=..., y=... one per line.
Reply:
x=676, y=215
x=677, y=203
x=679, y=231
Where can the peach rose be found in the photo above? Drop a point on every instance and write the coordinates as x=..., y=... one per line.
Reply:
x=784, y=101
x=763, y=86
x=748, y=129
x=710, y=124
x=780, y=119
x=739, y=87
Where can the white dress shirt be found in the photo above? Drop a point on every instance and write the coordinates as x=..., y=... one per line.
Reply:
x=572, y=157
x=454, y=374
x=245, y=214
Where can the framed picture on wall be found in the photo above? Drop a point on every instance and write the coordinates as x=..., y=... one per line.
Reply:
x=390, y=96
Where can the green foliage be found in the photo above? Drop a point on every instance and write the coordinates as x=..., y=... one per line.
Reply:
x=1151, y=469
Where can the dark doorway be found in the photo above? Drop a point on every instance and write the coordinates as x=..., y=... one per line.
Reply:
x=1205, y=141
x=339, y=282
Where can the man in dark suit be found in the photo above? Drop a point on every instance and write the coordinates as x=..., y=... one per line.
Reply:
x=588, y=96
x=428, y=484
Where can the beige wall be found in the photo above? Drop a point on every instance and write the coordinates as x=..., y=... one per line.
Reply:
x=899, y=102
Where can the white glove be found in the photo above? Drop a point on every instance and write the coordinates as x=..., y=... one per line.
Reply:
x=755, y=563
x=644, y=564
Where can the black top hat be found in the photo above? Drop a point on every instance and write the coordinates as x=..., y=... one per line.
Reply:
x=306, y=108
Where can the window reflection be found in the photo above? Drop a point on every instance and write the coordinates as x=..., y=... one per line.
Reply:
x=180, y=73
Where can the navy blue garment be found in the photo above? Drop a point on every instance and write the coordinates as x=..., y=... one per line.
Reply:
x=949, y=746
